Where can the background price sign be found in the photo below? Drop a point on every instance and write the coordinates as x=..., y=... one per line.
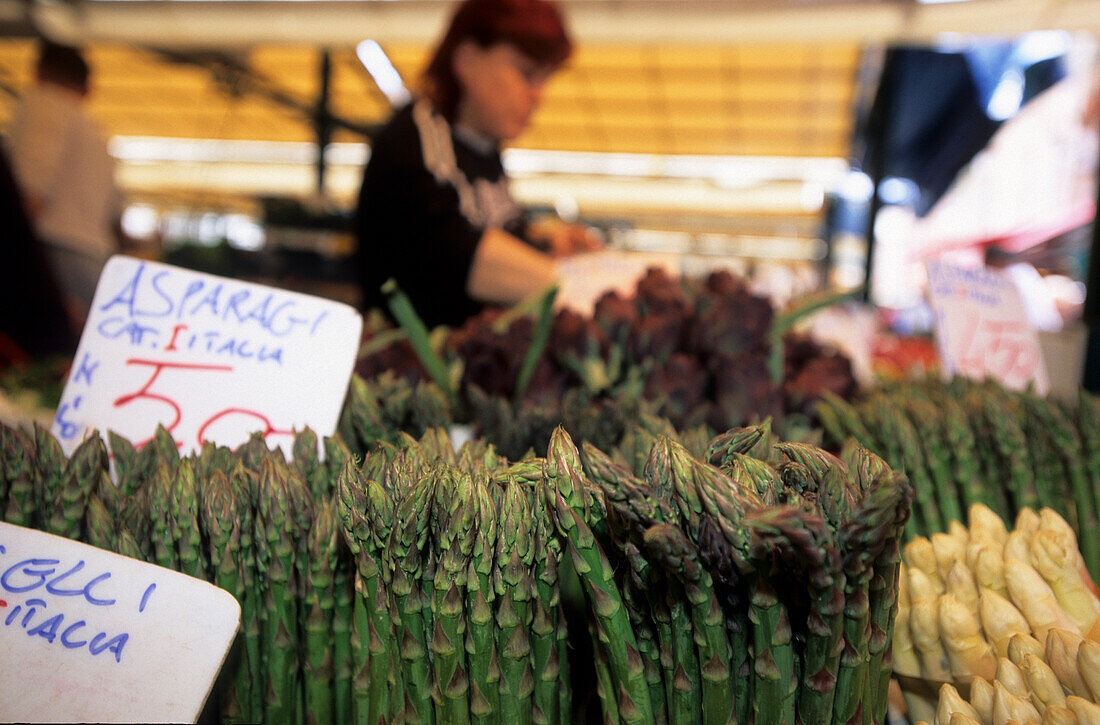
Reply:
x=91, y=636
x=209, y=358
x=982, y=328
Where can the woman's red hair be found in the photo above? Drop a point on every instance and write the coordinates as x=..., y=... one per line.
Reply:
x=534, y=27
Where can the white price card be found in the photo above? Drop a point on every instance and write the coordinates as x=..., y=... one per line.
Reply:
x=584, y=278
x=91, y=636
x=982, y=328
x=209, y=358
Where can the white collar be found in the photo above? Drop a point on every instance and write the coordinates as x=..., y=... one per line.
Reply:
x=476, y=140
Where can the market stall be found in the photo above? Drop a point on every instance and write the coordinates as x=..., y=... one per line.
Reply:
x=708, y=477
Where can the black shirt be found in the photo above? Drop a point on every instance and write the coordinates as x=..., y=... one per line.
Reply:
x=429, y=193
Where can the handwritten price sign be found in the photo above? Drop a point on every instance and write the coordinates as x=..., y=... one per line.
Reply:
x=209, y=358
x=982, y=329
x=91, y=636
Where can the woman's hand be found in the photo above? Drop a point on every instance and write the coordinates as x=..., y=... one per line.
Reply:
x=561, y=239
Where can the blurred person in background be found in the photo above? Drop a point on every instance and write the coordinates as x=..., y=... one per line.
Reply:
x=60, y=160
x=33, y=319
x=435, y=212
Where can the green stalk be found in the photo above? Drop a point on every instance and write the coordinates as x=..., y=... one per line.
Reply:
x=100, y=525
x=543, y=321
x=453, y=520
x=1088, y=426
x=47, y=482
x=544, y=621
x=862, y=538
x=605, y=601
x=159, y=502
x=221, y=521
x=605, y=687
x=406, y=316
x=960, y=443
x=480, y=597
x=671, y=547
x=185, y=523
x=318, y=664
x=342, y=612
x=18, y=466
x=514, y=616
x=280, y=633
x=408, y=549
x=883, y=605
x=80, y=478
x=686, y=703
x=1004, y=421
x=928, y=421
x=1041, y=424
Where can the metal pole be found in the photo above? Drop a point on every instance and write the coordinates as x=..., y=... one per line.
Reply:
x=322, y=118
x=1091, y=377
x=878, y=136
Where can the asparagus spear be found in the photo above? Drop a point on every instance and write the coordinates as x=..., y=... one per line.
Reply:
x=100, y=526
x=784, y=540
x=735, y=440
x=408, y=550
x=711, y=508
x=513, y=591
x=17, y=467
x=453, y=519
x=159, y=502
x=679, y=658
x=481, y=648
x=1050, y=439
x=305, y=451
x=960, y=442
x=47, y=481
x=343, y=607
x=927, y=421
x=842, y=420
x=276, y=555
x=244, y=482
x=221, y=521
x=912, y=462
x=545, y=659
x=367, y=510
x=564, y=472
x=671, y=547
x=1004, y=419
x=123, y=457
x=757, y=474
x=185, y=524
x=883, y=600
x=318, y=602
x=612, y=621
x=862, y=540
x=79, y=478
x=635, y=582
x=1088, y=426
x=361, y=423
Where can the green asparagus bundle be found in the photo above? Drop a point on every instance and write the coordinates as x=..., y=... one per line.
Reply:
x=964, y=442
x=741, y=579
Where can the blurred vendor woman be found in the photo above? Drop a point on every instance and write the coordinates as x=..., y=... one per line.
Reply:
x=435, y=211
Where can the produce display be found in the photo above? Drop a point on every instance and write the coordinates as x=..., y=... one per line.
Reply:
x=751, y=580
x=965, y=442
x=692, y=351
x=595, y=551
x=1012, y=618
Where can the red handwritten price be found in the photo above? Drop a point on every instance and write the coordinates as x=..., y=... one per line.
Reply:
x=145, y=392
x=1005, y=350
